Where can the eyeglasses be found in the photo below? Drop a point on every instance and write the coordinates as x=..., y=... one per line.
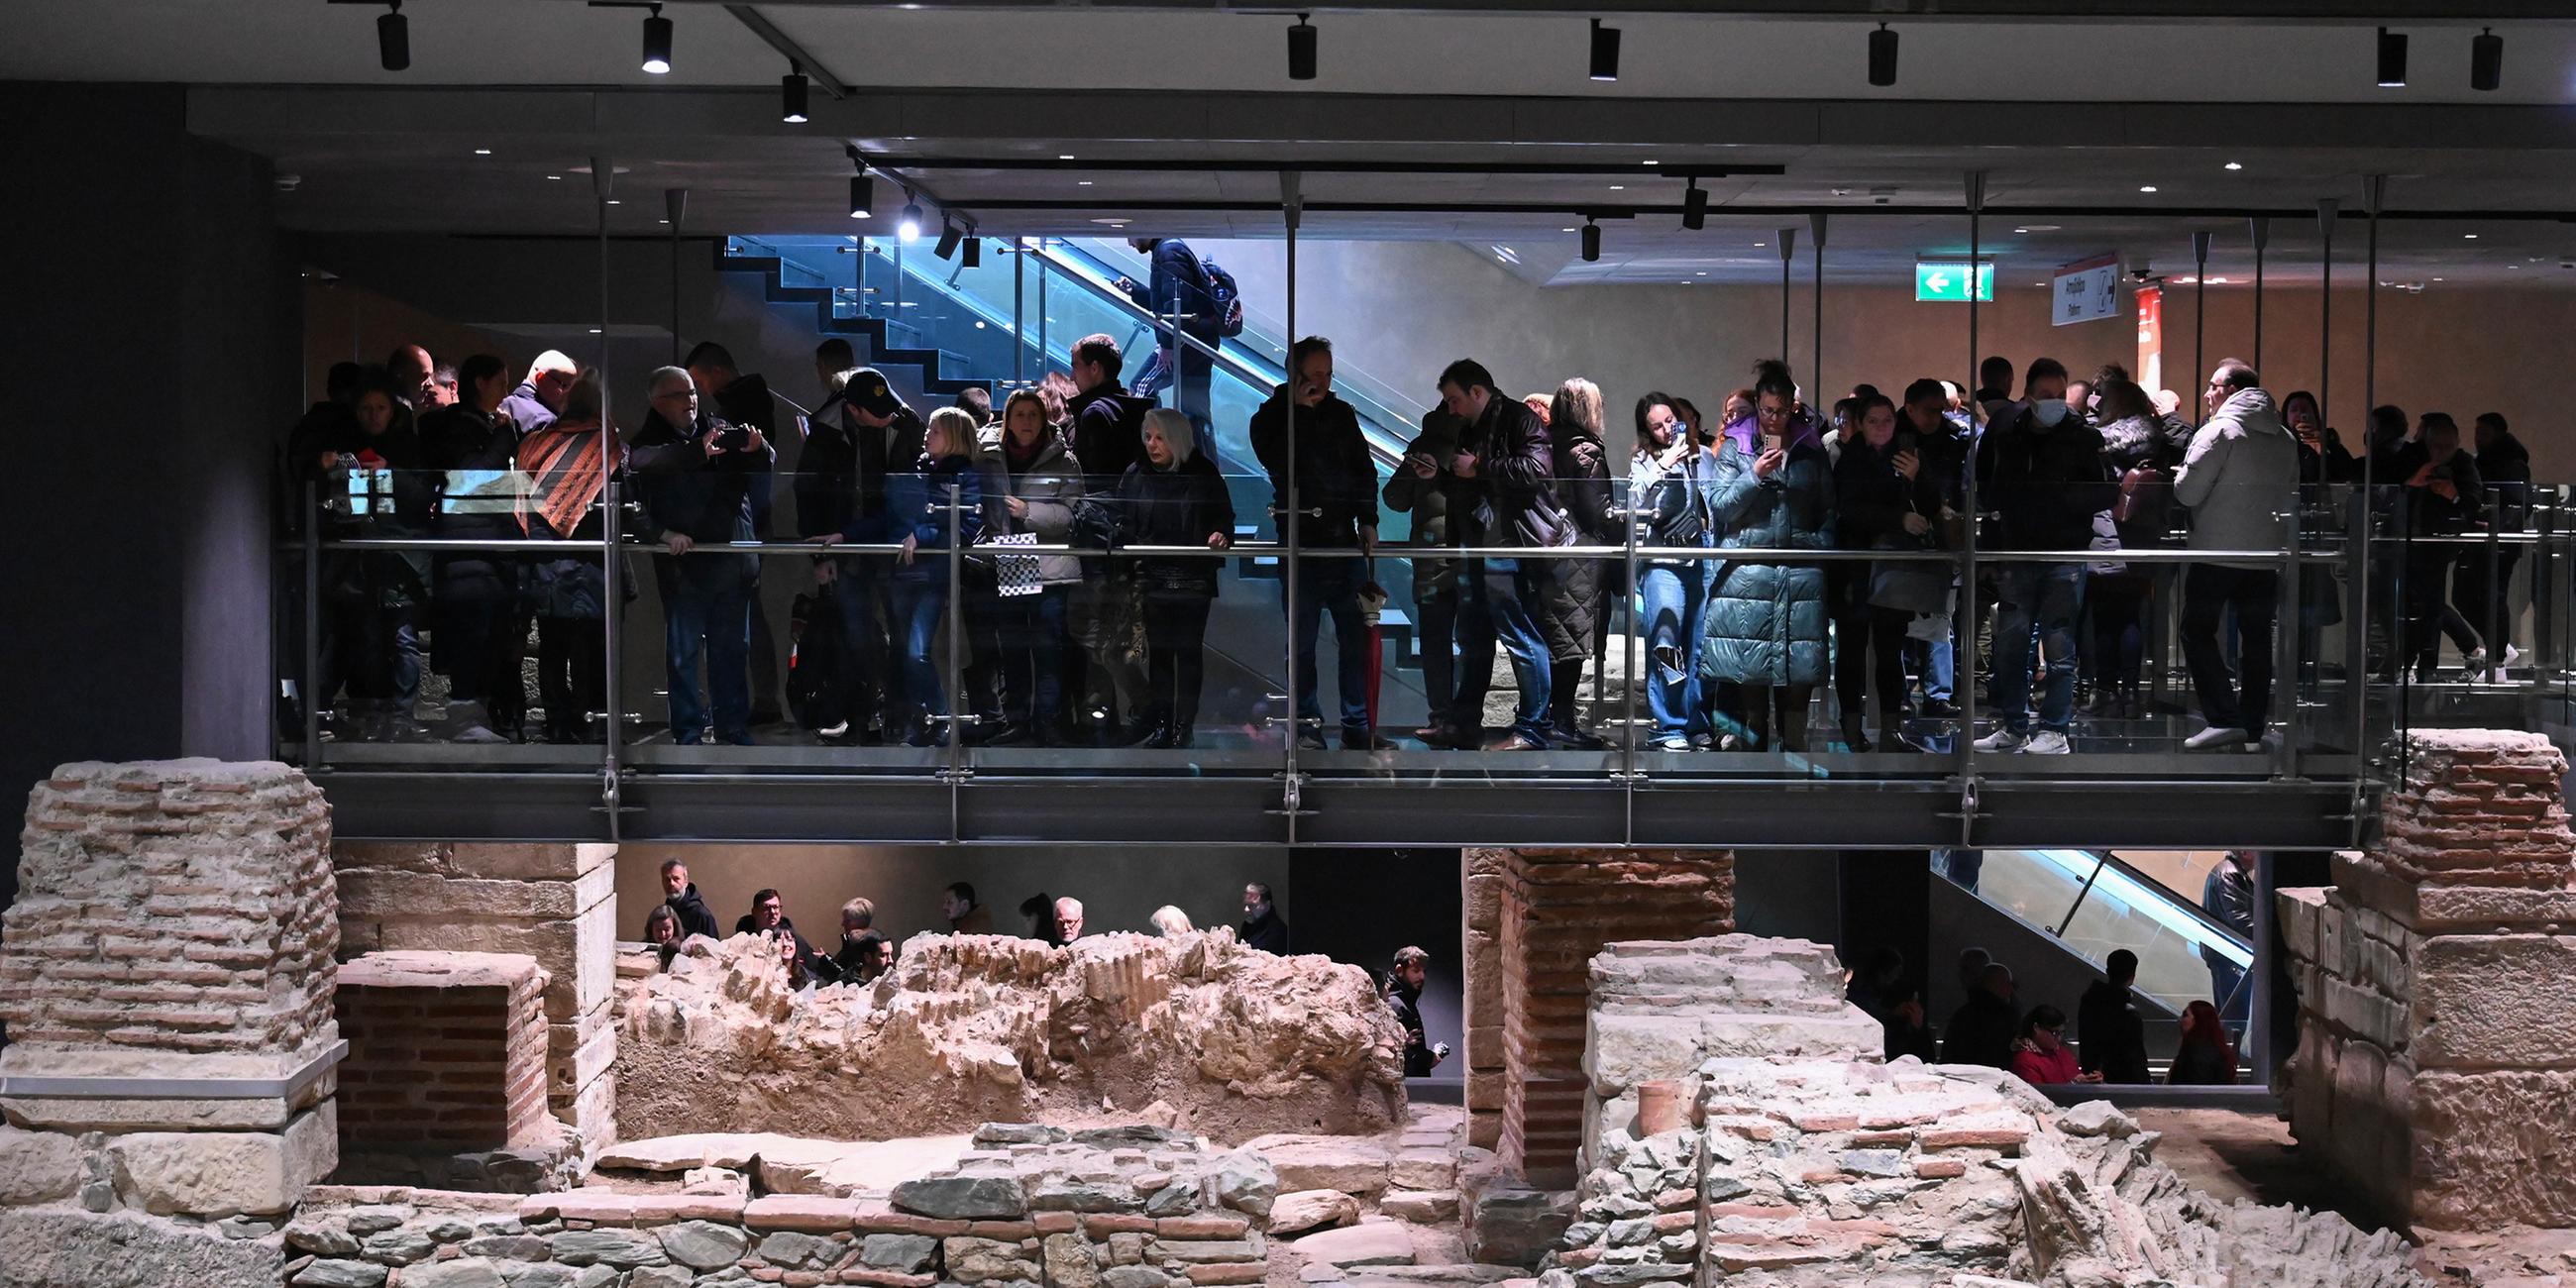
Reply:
x=1772, y=413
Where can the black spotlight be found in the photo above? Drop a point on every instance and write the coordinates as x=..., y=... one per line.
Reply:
x=974, y=253
x=393, y=39
x=1301, y=50
x=657, y=42
x=2486, y=61
x=791, y=97
x=1694, y=207
x=863, y=196
x=2392, y=59
x=949, y=236
x=1605, y=52
x=1882, y=57
x=1591, y=241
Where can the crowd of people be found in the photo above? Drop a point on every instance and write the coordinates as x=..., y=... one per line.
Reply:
x=1090, y=649
x=2109, y=1044
x=864, y=954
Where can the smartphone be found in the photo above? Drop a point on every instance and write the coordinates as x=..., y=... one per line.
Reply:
x=1772, y=442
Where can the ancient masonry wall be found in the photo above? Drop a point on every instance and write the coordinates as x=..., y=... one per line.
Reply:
x=1132, y=1207
x=1534, y=917
x=556, y=903
x=447, y=1056
x=166, y=976
x=2437, y=992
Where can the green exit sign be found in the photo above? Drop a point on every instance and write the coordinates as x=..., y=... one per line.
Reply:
x=1948, y=282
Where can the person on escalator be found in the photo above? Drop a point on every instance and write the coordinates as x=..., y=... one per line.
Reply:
x=1179, y=290
x=1336, y=492
x=2106, y=1020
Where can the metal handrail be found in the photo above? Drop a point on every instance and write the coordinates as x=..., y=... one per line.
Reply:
x=1385, y=550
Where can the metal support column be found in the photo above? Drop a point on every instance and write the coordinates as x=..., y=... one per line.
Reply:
x=1292, y=780
x=1788, y=251
x=1963, y=605
x=2261, y=228
x=309, y=689
x=1816, y=229
x=676, y=200
x=603, y=176
x=2199, y=327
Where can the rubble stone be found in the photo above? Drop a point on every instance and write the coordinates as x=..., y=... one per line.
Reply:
x=1303, y=1210
x=977, y=1028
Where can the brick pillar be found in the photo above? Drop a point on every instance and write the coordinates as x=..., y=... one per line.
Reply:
x=556, y=903
x=447, y=1053
x=2437, y=992
x=174, y=924
x=1553, y=909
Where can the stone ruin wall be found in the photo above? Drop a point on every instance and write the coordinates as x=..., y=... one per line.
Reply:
x=2437, y=993
x=166, y=976
x=1713, y=1161
x=1129, y=1207
x=1534, y=917
x=1230, y=1041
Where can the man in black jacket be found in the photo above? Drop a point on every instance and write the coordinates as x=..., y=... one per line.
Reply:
x=1421, y=486
x=2113, y=1038
x=1982, y=1030
x=2228, y=897
x=2482, y=591
x=479, y=634
x=695, y=475
x=2040, y=473
x=1335, y=487
x=680, y=895
x=1262, y=926
x=1404, y=998
x=884, y=436
x=746, y=400
x=1505, y=458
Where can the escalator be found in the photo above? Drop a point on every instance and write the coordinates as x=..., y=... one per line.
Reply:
x=2055, y=917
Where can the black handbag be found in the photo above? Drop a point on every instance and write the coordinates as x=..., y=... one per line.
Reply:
x=1917, y=586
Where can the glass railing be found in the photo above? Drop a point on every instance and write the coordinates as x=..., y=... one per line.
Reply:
x=2092, y=904
x=1781, y=654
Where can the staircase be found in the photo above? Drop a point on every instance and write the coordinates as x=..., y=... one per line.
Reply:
x=941, y=371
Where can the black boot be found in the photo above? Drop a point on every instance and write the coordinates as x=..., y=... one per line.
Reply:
x=1854, y=735
x=1562, y=684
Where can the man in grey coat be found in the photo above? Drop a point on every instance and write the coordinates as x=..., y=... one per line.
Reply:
x=2241, y=474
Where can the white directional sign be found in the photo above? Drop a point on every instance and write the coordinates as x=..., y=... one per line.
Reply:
x=2086, y=291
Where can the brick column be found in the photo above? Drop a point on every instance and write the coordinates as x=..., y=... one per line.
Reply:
x=2437, y=992
x=445, y=1084
x=556, y=903
x=1552, y=910
x=166, y=978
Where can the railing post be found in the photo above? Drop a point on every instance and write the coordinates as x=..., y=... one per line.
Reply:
x=1963, y=607
x=310, y=689
x=954, y=724
x=2285, y=646
x=612, y=611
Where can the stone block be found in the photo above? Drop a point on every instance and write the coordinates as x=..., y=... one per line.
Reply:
x=60, y=1247
x=1351, y=1165
x=1510, y=1226
x=216, y=1174
x=2486, y=1149
x=1303, y=1210
x=2493, y=1001
x=38, y=1166
x=962, y=1197
x=1422, y=1207
x=705, y=1245
x=462, y=1272
x=1374, y=1243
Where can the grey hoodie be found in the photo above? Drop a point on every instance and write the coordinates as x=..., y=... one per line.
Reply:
x=2241, y=472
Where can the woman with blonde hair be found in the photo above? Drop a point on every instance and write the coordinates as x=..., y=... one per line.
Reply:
x=1571, y=609
x=1174, y=497
x=1169, y=921
x=918, y=520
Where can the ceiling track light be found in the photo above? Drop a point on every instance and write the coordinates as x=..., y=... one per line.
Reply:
x=908, y=227
x=974, y=250
x=1694, y=207
x=1605, y=52
x=1301, y=50
x=1591, y=241
x=949, y=237
x=2486, y=61
x=2392, y=59
x=863, y=196
x=393, y=39
x=657, y=42
x=1882, y=57
x=793, y=90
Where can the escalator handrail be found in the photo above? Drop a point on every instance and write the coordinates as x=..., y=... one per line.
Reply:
x=2175, y=897
x=1386, y=455
x=1391, y=406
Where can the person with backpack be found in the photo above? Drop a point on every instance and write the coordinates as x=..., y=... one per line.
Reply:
x=1108, y=440
x=1188, y=304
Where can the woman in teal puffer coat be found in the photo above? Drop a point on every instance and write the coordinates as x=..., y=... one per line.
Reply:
x=1764, y=627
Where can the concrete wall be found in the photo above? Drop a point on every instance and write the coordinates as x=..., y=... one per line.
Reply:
x=144, y=392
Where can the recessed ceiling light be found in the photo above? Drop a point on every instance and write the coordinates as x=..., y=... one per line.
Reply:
x=661, y=221
x=482, y=152
x=2468, y=236
x=554, y=176
x=2186, y=280
x=2235, y=165
x=1063, y=156
x=615, y=202
x=1703, y=272
x=1760, y=245
x=1114, y=223
x=594, y=330
x=1565, y=230
x=2218, y=281
x=1654, y=163
x=2146, y=187
x=1618, y=187
x=1082, y=183
x=2021, y=230
x=2437, y=279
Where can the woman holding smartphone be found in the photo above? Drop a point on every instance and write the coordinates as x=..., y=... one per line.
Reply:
x=1764, y=627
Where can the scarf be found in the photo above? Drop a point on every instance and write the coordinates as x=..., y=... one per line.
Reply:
x=567, y=466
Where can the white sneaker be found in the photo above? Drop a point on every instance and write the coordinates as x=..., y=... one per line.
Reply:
x=2047, y=742
x=2217, y=738
x=2006, y=740
x=2511, y=655
x=2473, y=668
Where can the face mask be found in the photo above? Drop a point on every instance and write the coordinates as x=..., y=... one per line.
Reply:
x=2049, y=410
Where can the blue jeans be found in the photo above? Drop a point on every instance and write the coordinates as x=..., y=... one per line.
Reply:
x=713, y=621
x=1332, y=585
x=1494, y=608
x=1940, y=663
x=1672, y=598
x=1032, y=640
x=918, y=606
x=2045, y=597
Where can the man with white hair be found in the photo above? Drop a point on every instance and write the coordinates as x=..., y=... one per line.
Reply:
x=1068, y=919
x=540, y=397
